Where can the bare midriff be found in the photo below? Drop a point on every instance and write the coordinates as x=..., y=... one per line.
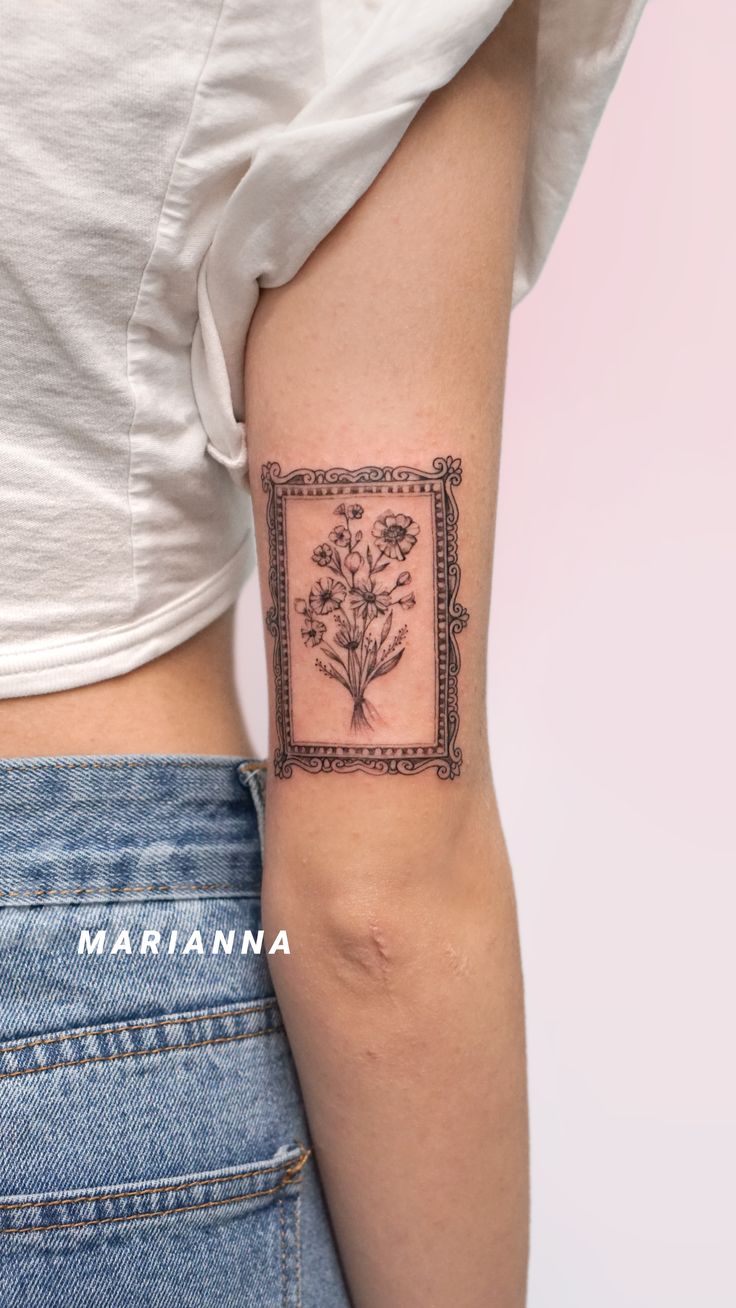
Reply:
x=184, y=702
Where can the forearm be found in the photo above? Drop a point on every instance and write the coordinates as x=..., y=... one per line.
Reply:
x=404, y=1008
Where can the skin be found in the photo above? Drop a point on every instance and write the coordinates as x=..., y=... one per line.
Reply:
x=402, y=995
x=182, y=703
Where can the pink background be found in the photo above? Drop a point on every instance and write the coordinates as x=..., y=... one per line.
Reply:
x=613, y=717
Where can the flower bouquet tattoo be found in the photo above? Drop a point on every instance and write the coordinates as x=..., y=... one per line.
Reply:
x=349, y=614
x=348, y=551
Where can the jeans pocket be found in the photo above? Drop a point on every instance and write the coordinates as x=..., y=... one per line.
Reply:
x=193, y=1117
x=230, y=1238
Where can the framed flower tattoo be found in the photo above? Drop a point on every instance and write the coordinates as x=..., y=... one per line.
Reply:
x=364, y=580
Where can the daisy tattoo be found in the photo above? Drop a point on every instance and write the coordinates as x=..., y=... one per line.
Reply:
x=356, y=595
x=347, y=608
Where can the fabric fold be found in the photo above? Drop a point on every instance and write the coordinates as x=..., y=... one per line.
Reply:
x=306, y=175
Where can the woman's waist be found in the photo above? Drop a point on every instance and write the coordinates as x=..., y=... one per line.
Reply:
x=182, y=702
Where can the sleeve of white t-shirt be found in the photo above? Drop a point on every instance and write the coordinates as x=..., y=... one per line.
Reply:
x=306, y=174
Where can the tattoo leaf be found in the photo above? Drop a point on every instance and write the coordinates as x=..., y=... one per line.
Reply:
x=348, y=608
x=336, y=676
x=343, y=676
x=387, y=665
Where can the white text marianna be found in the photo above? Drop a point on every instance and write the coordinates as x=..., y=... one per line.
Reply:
x=152, y=942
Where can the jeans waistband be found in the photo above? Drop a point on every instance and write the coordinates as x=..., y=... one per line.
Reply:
x=81, y=829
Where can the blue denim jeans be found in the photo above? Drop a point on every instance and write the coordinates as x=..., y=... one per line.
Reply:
x=154, y=1146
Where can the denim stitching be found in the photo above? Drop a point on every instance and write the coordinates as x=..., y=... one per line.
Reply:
x=298, y=1238
x=139, y=1053
x=119, y=890
x=291, y=1171
x=290, y=1178
x=282, y=1241
x=111, y=764
x=140, y=1026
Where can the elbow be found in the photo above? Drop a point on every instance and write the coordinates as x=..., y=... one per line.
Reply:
x=369, y=951
x=350, y=933
x=377, y=943
x=407, y=910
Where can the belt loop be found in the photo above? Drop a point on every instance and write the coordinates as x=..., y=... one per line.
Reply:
x=254, y=781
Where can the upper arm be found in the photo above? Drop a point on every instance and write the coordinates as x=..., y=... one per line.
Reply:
x=386, y=353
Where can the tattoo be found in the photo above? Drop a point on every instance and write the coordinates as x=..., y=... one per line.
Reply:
x=347, y=608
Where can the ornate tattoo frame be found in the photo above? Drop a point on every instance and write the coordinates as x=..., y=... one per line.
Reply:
x=444, y=754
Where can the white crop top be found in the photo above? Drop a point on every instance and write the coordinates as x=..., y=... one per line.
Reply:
x=160, y=162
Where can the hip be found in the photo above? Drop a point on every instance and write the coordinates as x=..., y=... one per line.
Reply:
x=156, y=1148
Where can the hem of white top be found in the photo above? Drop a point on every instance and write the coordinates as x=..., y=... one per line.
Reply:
x=97, y=656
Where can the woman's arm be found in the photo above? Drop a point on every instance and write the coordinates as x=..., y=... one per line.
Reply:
x=402, y=995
